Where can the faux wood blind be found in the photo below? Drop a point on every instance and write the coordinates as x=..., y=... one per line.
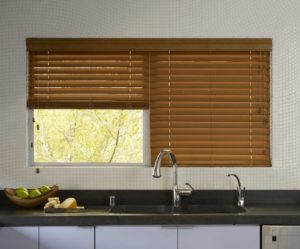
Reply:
x=209, y=98
x=211, y=107
x=88, y=79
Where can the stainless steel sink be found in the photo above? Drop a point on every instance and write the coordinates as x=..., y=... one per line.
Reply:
x=142, y=209
x=184, y=209
x=193, y=209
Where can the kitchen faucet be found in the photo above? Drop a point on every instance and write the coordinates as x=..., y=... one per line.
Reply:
x=241, y=199
x=157, y=173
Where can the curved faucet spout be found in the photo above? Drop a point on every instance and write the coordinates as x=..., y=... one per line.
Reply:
x=241, y=199
x=157, y=165
x=239, y=183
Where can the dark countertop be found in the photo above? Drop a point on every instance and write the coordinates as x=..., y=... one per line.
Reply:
x=269, y=207
x=275, y=215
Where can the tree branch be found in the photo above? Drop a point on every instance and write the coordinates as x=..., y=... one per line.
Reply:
x=117, y=138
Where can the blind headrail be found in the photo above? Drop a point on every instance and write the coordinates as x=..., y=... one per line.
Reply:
x=148, y=44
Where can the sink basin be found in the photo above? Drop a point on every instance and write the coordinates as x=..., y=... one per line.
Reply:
x=194, y=209
x=142, y=209
x=185, y=209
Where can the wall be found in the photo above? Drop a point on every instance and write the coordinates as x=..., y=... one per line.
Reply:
x=278, y=19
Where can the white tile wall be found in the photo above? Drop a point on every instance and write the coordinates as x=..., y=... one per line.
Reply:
x=278, y=19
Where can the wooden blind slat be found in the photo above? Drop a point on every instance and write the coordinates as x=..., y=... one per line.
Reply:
x=214, y=144
x=211, y=84
x=87, y=70
x=211, y=130
x=216, y=151
x=76, y=90
x=90, y=83
x=215, y=118
x=210, y=91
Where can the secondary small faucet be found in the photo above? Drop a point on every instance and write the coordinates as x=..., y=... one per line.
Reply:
x=157, y=173
x=241, y=199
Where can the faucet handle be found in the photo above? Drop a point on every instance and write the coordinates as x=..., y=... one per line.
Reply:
x=187, y=184
x=186, y=192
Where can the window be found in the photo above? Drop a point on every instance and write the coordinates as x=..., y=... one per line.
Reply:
x=88, y=106
x=208, y=100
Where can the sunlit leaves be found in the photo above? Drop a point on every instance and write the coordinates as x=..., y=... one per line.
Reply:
x=104, y=136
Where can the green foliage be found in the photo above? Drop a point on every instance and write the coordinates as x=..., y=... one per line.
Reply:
x=105, y=136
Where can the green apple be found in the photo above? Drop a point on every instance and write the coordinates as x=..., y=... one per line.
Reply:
x=21, y=189
x=22, y=192
x=34, y=193
x=44, y=189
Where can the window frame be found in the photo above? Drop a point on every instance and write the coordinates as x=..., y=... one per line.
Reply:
x=146, y=150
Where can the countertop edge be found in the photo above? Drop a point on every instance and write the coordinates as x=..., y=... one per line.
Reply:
x=94, y=217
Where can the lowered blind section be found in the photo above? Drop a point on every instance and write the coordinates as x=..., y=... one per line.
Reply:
x=83, y=79
x=211, y=108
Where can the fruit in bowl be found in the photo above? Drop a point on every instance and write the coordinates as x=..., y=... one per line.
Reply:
x=30, y=197
x=22, y=192
x=33, y=193
x=44, y=189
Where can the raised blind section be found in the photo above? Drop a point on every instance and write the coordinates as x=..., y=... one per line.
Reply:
x=95, y=79
x=211, y=108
